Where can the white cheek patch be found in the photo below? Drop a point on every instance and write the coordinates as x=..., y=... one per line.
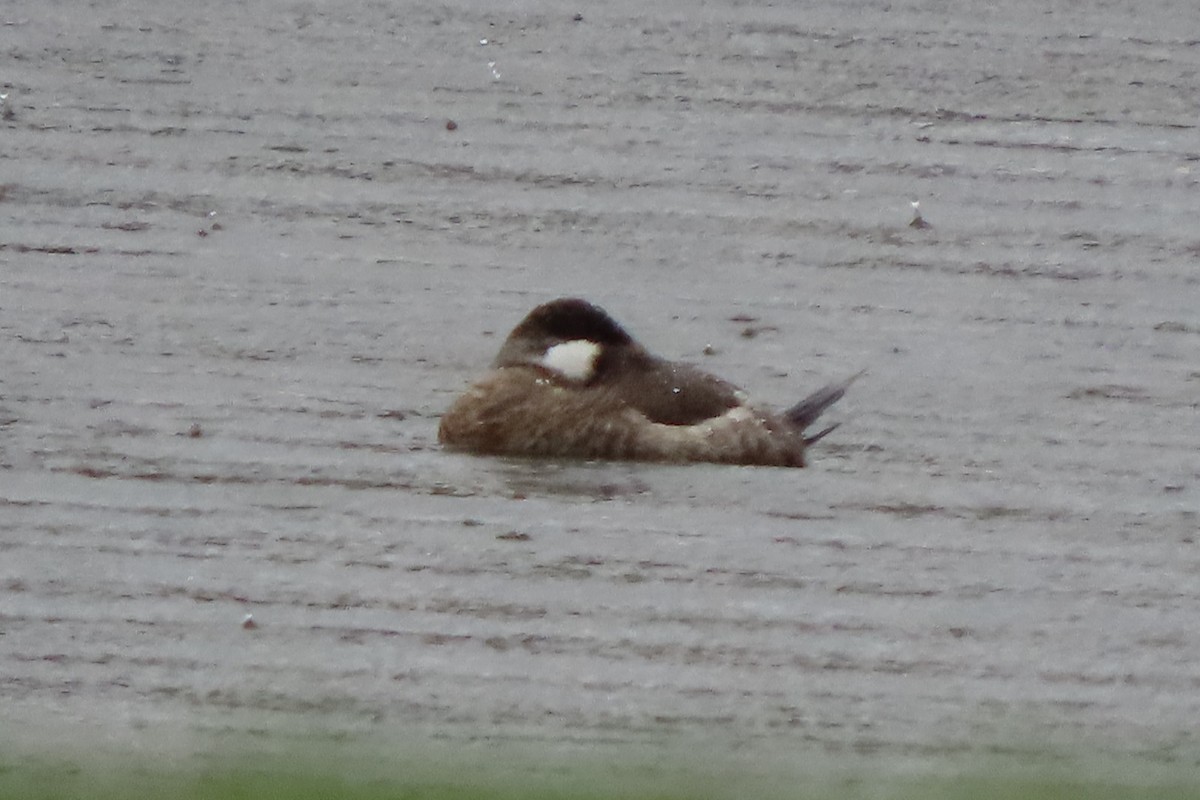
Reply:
x=574, y=360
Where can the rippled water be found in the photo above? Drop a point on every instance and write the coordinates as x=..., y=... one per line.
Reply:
x=245, y=265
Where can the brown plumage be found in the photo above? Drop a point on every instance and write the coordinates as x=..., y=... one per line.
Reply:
x=570, y=382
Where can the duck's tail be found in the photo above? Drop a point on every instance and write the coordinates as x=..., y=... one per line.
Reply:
x=805, y=412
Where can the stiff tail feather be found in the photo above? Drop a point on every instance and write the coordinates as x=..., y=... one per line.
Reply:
x=805, y=412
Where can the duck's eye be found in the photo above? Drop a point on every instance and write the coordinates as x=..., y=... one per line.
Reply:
x=574, y=360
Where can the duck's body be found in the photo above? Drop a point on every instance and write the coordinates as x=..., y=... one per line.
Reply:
x=570, y=382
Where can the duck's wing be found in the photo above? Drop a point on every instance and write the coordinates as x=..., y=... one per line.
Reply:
x=668, y=393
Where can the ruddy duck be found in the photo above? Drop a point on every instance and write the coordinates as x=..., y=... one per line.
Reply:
x=569, y=382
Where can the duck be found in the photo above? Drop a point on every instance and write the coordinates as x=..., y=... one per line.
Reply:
x=570, y=382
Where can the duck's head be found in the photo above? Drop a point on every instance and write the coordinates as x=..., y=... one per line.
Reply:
x=568, y=337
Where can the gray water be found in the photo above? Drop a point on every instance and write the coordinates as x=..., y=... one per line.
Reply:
x=245, y=265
